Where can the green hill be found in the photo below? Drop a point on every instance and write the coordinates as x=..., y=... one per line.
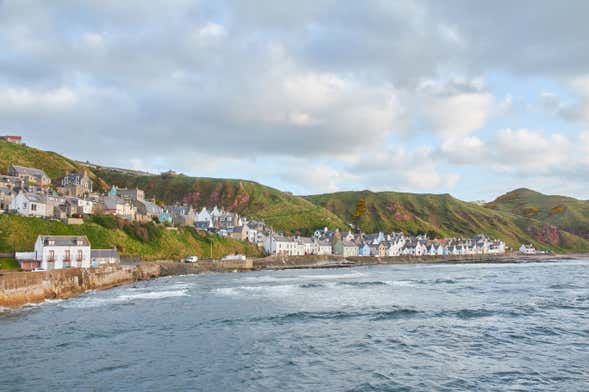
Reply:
x=553, y=222
x=443, y=216
x=563, y=212
x=54, y=165
x=146, y=240
x=282, y=211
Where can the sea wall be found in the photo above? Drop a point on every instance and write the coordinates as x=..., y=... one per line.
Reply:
x=20, y=288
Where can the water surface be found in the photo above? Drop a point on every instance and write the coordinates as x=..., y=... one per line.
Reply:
x=383, y=328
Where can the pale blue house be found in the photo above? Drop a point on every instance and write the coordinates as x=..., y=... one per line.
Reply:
x=364, y=250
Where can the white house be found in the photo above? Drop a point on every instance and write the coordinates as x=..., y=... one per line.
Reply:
x=280, y=245
x=29, y=204
x=62, y=251
x=80, y=206
x=115, y=205
x=324, y=248
x=527, y=249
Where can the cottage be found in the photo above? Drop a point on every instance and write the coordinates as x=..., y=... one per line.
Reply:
x=77, y=206
x=324, y=247
x=527, y=249
x=29, y=204
x=131, y=194
x=345, y=248
x=11, y=182
x=114, y=205
x=104, y=257
x=280, y=245
x=56, y=252
x=6, y=197
x=12, y=139
x=30, y=176
x=364, y=250
x=239, y=233
x=76, y=184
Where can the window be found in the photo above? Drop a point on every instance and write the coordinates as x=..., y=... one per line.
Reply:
x=51, y=256
x=80, y=257
x=67, y=256
x=33, y=207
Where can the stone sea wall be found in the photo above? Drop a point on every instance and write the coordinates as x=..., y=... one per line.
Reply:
x=20, y=288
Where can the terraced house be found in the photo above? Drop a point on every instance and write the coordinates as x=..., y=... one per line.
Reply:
x=30, y=176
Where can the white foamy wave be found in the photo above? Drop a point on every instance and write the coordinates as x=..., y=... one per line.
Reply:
x=275, y=291
x=402, y=283
x=333, y=276
x=267, y=279
x=90, y=302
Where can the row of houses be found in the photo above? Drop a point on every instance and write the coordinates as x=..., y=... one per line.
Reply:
x=379, y=245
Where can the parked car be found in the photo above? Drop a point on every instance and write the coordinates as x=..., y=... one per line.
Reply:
x=191, y=259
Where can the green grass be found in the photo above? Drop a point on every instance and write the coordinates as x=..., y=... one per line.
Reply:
x=148, y=241
x=563, y=212
x=8, y=264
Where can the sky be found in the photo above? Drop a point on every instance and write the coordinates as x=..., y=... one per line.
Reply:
x=463, y=97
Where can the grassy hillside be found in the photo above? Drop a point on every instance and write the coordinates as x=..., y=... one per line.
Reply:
x=442, y=216
x=54, y=165
x=281, y=210
x=149, y=241
x=552, y=222
x=563, y=212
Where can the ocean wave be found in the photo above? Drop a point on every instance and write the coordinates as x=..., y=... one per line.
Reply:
x=362, y=284
x=333, y=276
x=402, y=283
x=91, y=302
x=275, y=290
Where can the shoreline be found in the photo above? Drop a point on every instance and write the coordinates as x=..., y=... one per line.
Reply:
x=19, y=289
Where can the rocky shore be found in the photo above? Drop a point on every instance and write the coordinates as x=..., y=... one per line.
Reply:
x=21, y=288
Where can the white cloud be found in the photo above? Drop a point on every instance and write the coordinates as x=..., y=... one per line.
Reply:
x=524, y=149
x=457, y=107
x=465, y=150
x=24, y=99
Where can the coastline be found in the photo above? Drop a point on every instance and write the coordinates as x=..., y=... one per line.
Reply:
x=18, y=289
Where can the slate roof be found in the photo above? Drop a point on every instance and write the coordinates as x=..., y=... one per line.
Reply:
x=104, y=253
x=65, y=240
x=31, y=171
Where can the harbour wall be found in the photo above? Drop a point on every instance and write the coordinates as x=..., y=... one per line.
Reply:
x=21, y=288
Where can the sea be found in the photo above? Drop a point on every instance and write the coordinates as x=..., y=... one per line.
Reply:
x=483, y=327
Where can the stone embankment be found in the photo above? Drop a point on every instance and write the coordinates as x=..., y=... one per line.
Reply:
x=21, y=288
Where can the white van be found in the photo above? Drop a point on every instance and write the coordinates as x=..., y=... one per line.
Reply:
x=191, y=259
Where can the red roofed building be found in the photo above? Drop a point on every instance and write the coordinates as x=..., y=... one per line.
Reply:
x=12, y=139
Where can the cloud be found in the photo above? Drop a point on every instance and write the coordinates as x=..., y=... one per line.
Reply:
x=352, y=91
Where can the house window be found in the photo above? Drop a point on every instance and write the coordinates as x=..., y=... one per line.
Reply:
x=51, y=256
x=67, y=256
x=33, y=207
x=80, y=258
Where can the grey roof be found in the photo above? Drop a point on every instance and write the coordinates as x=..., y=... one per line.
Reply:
x=65, y=240
x=31, y=171
x=110, y=202
x=349, y=244
x=103, y=253
x=34, y=197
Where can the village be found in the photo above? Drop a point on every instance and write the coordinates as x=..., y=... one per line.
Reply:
x=30, y=192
